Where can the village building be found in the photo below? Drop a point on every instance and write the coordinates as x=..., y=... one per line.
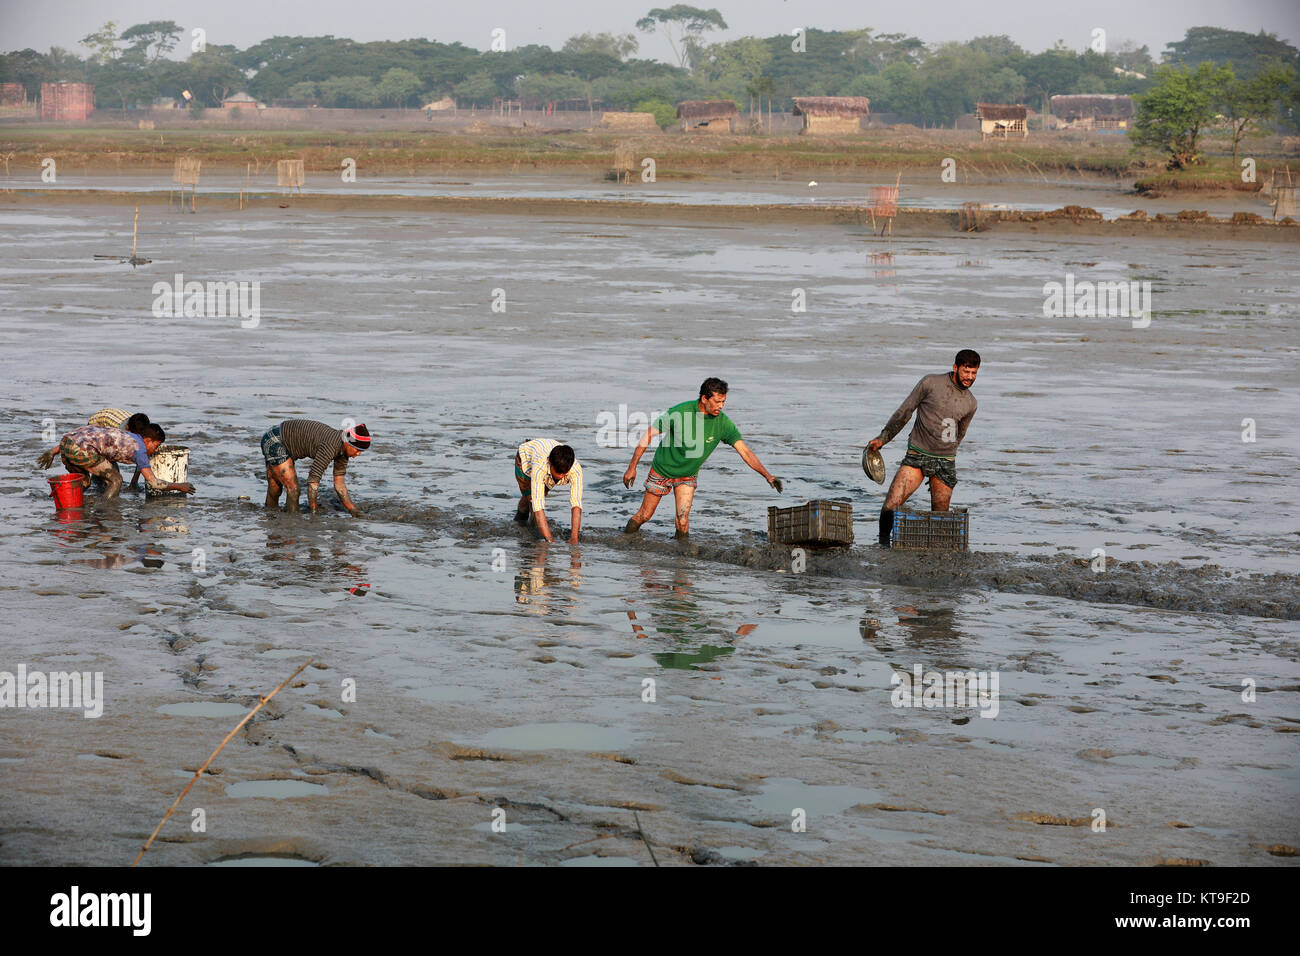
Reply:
x=67, y=101
x=629, y=121
x=1001, y=120
x=1092, y=111
x=241, y=101
x=12, y=95
x=832, y=115
x=707, y=116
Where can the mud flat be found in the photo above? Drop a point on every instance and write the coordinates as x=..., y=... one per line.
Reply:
x=493, y=673
x=1065, y=220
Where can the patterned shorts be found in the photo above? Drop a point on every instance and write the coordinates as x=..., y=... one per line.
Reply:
x=273, y=449
x=945, y=469
x=657, y=484
x=78, y=459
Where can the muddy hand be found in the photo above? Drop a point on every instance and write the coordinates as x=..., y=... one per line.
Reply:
x=776, y=483
x=185, y=487
x=46, y=459
x=874, y=445
x=629, y=478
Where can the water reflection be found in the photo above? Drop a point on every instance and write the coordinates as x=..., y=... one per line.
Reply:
x=540, y=585
x=145, y=555
x=670, y=607
x=932, y=630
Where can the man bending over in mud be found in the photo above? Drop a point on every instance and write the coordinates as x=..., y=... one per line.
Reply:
x=944, y=408
x=94, y=452
x=300, y=438
x=540, y=465
x=691, y=430
x=105, y=418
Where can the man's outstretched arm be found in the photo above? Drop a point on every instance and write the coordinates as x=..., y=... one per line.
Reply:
x=752, y=461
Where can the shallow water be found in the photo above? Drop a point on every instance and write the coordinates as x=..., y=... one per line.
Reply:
x=1091, y=434
x=1111, y=198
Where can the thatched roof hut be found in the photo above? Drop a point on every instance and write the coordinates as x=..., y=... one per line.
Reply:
x=707, y=116
x=1001, y=112
x=240, y=100
x=629, y=121
x=832, y=114
x=1000, y=120
x=840, y=106
x=1093, y=111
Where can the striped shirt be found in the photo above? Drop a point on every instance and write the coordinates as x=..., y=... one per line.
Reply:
x=109, y=418
x=533, y=463
x=317, y=441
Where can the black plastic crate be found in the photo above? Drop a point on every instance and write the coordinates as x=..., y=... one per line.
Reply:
x=818, y=523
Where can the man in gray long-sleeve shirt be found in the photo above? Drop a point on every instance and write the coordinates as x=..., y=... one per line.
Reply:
x=300, y=438
x=944, y=408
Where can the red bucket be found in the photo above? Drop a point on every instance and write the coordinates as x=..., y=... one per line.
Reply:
x=67, y=492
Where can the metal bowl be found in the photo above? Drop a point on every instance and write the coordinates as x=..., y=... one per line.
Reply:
x=874, y=465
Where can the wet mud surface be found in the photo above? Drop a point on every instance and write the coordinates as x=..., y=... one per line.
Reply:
x=491, y=672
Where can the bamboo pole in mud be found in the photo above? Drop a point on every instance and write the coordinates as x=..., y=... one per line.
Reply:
x=135, y=232
x=198, y=773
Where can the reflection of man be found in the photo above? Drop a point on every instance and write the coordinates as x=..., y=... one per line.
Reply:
x=691, y=430
x=531, y=583
x=944, y=408
x=93, y=451
x=540, y=465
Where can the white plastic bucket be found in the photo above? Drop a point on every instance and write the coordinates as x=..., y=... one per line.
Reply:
x=171, y=465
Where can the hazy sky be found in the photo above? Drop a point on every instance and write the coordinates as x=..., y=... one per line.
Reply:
x=1034, y=24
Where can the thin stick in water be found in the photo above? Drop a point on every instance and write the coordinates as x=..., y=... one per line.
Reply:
x=199, y=772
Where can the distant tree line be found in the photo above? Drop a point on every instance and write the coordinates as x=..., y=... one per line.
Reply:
x=920, y=83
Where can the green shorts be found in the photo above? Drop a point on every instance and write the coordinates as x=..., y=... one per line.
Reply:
x=77, y=458
x=945, y=469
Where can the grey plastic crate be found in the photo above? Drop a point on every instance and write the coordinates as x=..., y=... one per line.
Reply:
x=818, y=523
x=931, y=530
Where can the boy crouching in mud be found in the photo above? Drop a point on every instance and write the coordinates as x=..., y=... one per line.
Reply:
x=540, y=465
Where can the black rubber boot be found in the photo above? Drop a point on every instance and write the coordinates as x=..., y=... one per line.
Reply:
x=886, y=526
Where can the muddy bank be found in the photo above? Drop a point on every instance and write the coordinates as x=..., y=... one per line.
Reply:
x=1209, y=589
x=909, y=221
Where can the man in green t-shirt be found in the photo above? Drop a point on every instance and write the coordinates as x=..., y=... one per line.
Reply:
x=691, y=430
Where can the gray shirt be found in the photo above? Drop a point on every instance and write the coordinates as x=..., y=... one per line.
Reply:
x=319, y=442
x=943, y=410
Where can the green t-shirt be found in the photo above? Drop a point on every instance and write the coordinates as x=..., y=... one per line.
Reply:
x=688, y=439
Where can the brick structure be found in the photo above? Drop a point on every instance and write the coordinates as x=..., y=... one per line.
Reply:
x=67, y=101
x=12, y=94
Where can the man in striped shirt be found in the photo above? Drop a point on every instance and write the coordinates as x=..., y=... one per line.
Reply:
x=300, y=438
x=540, y=465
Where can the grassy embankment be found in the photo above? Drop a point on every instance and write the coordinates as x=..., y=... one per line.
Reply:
x=1043, y=156
x=675, y=155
